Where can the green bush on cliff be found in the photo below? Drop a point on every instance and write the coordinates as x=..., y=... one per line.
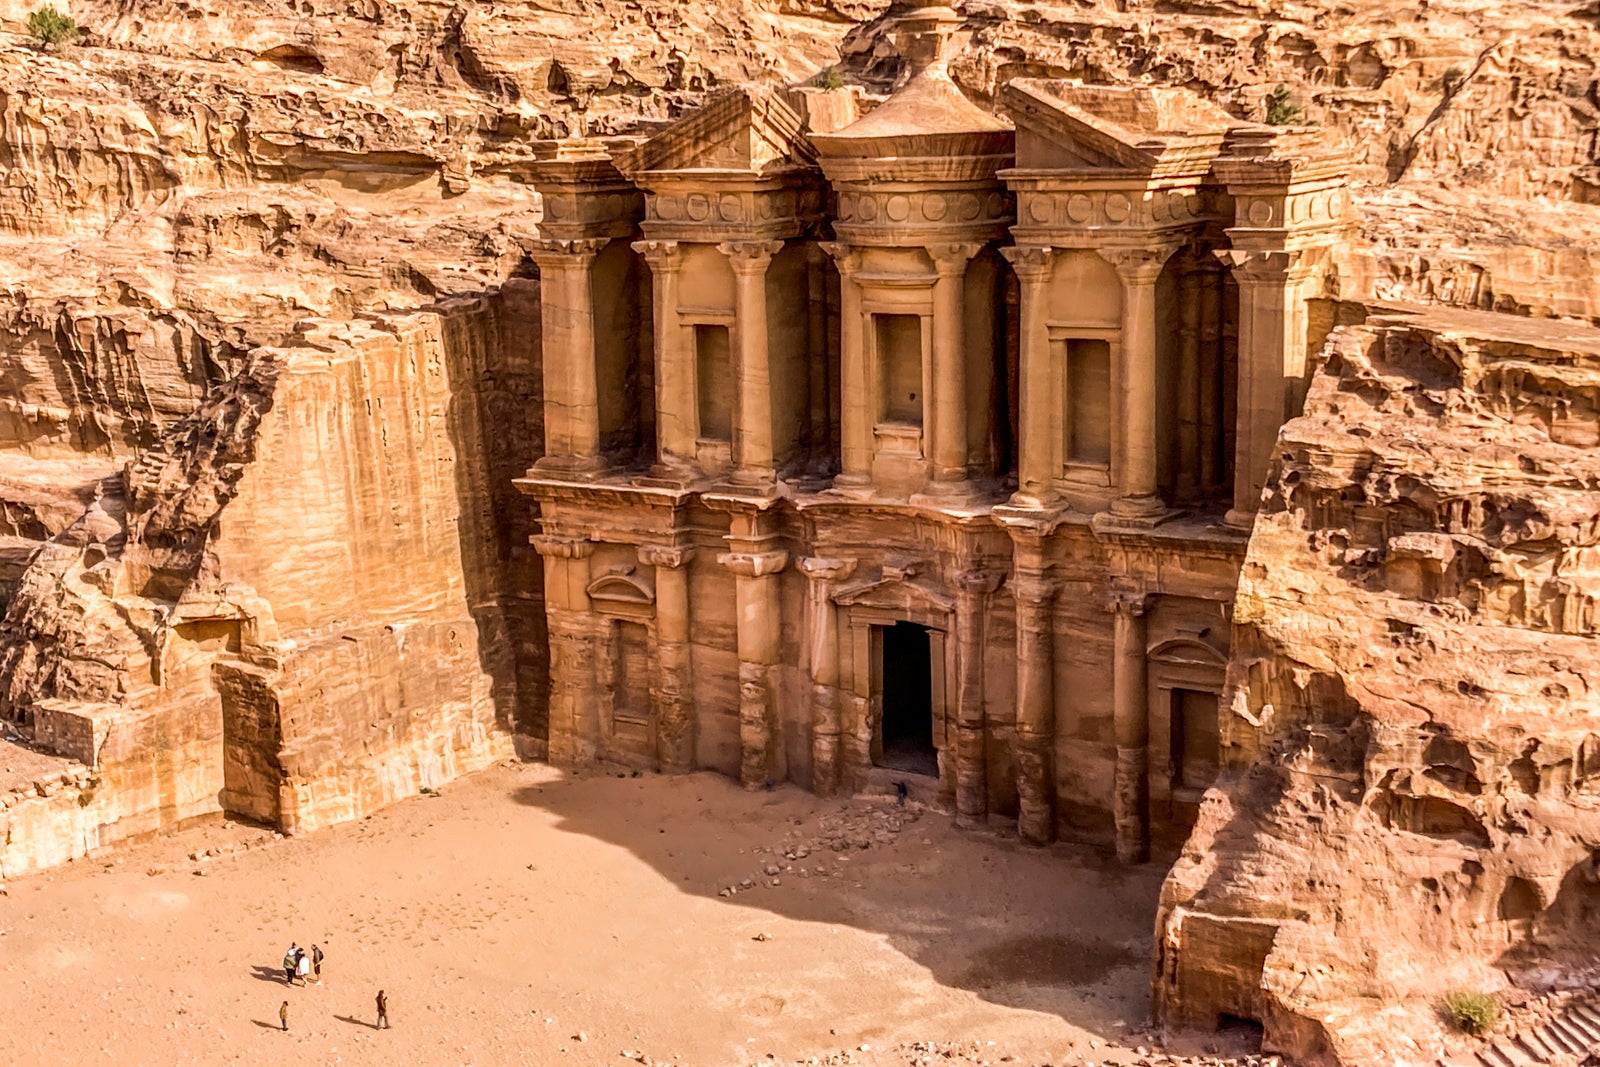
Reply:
x=51, y=28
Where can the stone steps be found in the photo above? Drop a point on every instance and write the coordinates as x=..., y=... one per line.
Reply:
x=1570, y=1036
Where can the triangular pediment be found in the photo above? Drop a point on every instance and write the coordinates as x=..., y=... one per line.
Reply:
x=894, y=593
x=1126, y=129
x=739, y=130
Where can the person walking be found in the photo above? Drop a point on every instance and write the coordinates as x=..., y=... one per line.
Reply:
x=383, y=1012
x=316, y=963
x=283, y=1015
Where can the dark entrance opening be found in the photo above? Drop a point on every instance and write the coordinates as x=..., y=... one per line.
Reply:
x=907, y=730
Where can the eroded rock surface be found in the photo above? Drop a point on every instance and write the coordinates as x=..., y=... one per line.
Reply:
x=1412, y=731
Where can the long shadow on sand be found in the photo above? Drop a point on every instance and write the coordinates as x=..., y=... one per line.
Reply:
x=1064, y=930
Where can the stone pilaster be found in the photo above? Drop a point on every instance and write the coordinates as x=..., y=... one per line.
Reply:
x=826, y=700
x=855, y=402
x=1191, y=294
x=950, y=461
x=571, y=384
x=973, y=588
x=675, y=370
x=1038, y=462
x=755, y=562
x=1269, y=285
x=1133, y=381
x=674, y=683
x=1034, y=594
x=574, y=689
x=752, y=430
x=1131, y=725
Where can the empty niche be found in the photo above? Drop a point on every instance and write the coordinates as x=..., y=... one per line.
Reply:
x=713, y=355
x=899, y=343
x=1087, y=433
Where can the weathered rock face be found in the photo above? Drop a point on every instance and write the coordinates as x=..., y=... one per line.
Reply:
x=1412, y=799
x=298, y=604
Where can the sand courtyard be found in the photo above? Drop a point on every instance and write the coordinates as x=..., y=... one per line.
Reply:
x=527, y=916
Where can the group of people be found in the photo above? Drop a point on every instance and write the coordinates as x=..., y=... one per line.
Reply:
x=307, y=966
x=298, y=963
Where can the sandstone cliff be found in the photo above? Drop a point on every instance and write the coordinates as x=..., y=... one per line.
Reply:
x=1413, y=800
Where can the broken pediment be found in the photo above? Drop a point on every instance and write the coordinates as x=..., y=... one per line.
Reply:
x=621, y=588
x=742, y=130
x=896, y=591
x=1065, y=125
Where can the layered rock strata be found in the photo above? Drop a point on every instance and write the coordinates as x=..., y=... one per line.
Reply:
x=1410, y=803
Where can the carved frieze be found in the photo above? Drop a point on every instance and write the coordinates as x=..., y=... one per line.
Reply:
x=921, y=208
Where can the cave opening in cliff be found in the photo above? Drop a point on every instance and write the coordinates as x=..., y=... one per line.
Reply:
x=907, y=677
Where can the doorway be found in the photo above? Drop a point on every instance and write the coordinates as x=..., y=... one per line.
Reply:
x=907, y=677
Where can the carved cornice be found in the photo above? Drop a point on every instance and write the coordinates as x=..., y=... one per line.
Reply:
x=912, y=210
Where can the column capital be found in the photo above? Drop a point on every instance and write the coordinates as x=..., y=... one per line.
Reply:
x=660, y=255
x=950, y=258
x=750, y=257
x=979, y=582
x=820, y=569
x=562, y=547
x=846, y=257
x=1261, y=266
x=1033, y=589
x=1128, y=602
x=1140, y=264
x=669, y=556
x=1030, y=262
x=558, y=252
x=754, y=564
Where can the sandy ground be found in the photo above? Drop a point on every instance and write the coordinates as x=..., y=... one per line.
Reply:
x=525, y=916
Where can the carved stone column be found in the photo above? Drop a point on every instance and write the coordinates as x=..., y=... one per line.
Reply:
x=1268, y=287
x=571, y=384
x=755, y=563
x=1034, y=594
x=752, y=430
x=949, y=379
x=823, y=628
x=1133, y=376
x=675, y=369
x=574, y=689
x=972, y=766
x=1131, y=724
x=1191, y=294
x=1039, y=462
x=855, y=401
x=674, y=682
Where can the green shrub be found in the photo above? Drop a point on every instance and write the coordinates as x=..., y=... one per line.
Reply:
x=1472, y=1013
x=1451, y=79
x=1281, y=108
x=829, y=78
x=50, y=27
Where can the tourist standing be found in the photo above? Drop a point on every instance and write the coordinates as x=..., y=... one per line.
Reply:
x=291, y=960
x=316, y=963
x=383, y=1012
x=283, y=1015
